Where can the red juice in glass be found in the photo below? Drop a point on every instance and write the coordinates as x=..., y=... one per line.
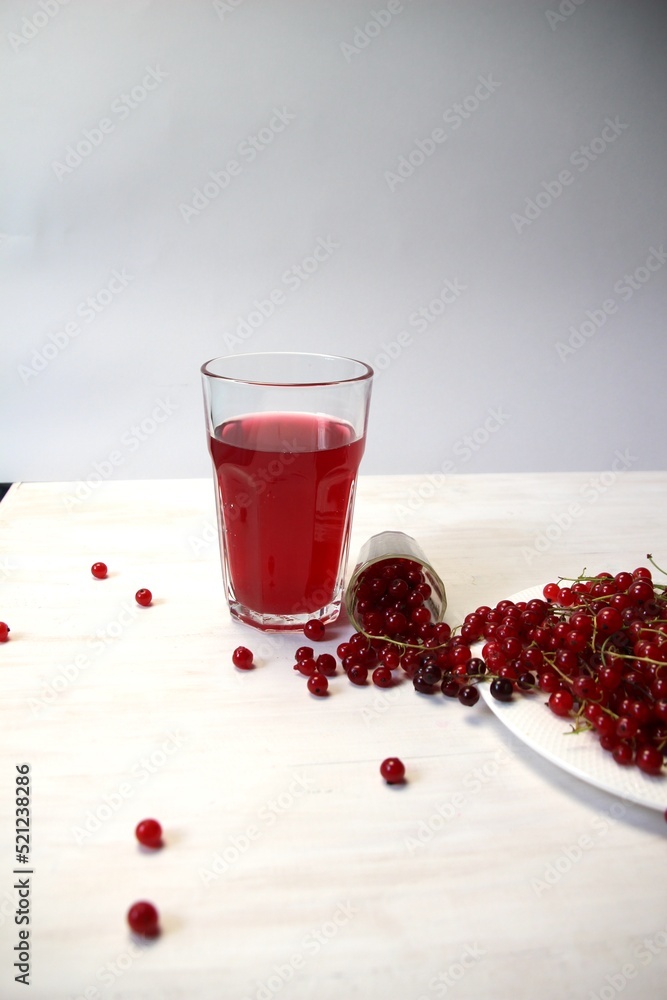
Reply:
x=285, y=485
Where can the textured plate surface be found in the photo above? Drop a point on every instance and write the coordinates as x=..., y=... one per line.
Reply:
x=529, y=719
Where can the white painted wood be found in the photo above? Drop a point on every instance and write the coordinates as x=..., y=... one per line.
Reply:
x=526, y=881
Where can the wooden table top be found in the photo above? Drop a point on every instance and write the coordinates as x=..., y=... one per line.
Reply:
x=290, y=868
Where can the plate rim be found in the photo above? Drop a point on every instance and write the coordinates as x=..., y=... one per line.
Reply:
x=503, y=712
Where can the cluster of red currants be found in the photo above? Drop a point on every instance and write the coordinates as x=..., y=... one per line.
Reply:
x=597, y=648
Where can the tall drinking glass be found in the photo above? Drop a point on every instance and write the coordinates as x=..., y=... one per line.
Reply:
x=286, y=436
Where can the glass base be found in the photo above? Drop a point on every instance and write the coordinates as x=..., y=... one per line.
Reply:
x=284, y=623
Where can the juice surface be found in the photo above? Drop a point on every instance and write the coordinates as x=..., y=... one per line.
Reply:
x=285, y=482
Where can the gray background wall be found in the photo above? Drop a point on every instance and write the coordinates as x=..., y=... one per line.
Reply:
x=484, y=184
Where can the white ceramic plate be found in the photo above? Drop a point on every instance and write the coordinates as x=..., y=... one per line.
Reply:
x=529, y=719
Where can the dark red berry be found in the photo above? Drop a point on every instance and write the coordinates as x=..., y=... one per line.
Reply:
x=242, y=658
x=469, y=695
x=4, y=631
x=501, y=689
x=318, y=684
x=304, y=653
x=143, y=919
x=392, y=770
x=314, y=630
x=143, y=597
x=99, y=570
x=149, y=833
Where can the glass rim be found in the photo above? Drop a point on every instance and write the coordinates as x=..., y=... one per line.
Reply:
x=366, y=373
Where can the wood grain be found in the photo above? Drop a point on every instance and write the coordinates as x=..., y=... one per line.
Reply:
x=290, y=869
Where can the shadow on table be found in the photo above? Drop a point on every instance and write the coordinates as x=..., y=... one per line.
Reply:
x=637, y=816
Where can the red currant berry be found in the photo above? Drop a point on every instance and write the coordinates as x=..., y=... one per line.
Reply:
x=561, y=702
x=393, y=770
x=143, y=597
x=649, y=760
x=623, y=753
x=450, y=686
x=608, y=620
x=304, y=653
x=306, y=667
x=4, y=631
x=468, y=695
x=149, y=833
x=382, y=677
x=501, y=689
x=242, y=658
x=99, y=570
x=358, y=674
x=318, y=684
x=143, y=919
x=314, y=630
x=326, y=664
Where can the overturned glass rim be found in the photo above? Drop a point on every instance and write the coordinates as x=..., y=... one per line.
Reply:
x=388, y=546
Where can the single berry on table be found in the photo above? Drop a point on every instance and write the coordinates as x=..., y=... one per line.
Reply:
x=143, y=919
x=382, y=677
x=469, y=695
x=4, y=631
x=143, y=597
x=358, y=674
x=318, y=684
x=326, y=664
x=149, y=833
x=305, y=667
x=392, y=770
x=99, y=570
x=304, y=653
x=242, y=658
x=314, y=630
